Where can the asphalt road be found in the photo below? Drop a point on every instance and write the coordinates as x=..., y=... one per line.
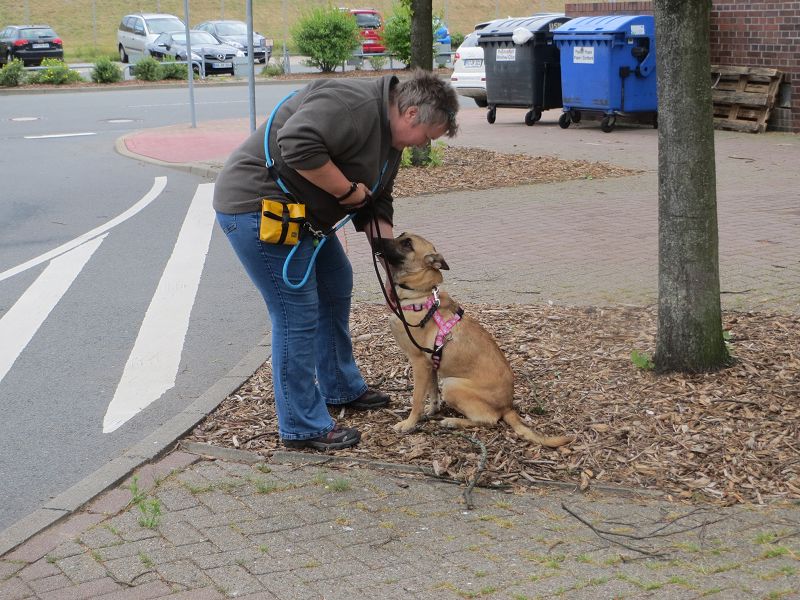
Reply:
x=97, y=302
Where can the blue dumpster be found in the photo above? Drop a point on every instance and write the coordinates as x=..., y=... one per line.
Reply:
x=522, y=74
x=608, y=66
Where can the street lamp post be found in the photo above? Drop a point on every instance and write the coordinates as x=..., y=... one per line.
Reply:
x=190, y=66
x=287, y=67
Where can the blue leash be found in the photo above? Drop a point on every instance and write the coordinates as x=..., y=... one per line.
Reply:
x=319, y=242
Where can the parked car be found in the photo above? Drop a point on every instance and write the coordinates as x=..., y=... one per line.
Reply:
x=469, y=74
x=370, y=24
x=29, y=43
x=215, y=56
x=135, y=32
x=234, y=33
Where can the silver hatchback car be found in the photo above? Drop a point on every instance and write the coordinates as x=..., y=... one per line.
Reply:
x=136, y=31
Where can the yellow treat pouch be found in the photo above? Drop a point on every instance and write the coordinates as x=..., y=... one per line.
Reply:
x=281, y=222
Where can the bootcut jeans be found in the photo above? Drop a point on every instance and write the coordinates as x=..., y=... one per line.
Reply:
x=312, y=354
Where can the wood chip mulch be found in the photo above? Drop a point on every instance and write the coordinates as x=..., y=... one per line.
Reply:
x=731, y=436
x=480, y=169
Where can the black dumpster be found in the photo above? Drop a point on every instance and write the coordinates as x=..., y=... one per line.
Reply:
x=522, y=75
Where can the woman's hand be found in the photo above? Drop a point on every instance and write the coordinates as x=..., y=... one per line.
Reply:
x=357, y=199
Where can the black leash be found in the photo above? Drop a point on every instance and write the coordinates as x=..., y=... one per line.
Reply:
x=396, y=308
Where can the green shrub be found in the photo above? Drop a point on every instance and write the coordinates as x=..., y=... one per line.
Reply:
x=148, y=69
x=456, y=39
x=105, y=71
x=272, y=70
x=397, y=33
x=55, y=72
x=328, y=36
x=377, y=62
x=13, y=74
x=172, y=70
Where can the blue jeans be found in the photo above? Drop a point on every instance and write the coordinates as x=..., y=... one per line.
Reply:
x=312, y=355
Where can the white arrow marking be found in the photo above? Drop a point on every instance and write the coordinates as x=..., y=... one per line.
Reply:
x=158, y=186
x=22, y=321
x=154, y=361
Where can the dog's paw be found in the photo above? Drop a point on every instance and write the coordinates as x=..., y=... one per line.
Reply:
x=433, y=409
x=405, y=426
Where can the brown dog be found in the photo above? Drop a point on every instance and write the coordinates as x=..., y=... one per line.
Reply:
x=476, y=378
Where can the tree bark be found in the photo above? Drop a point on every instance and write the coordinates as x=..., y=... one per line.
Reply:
x=422, y=34
x=689, y=336
x=421, y=57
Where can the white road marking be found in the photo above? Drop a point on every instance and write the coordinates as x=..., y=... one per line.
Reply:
x=185, y=104
x=154, y=361
x=23, y=319
x=58, y=135
x=158, y=186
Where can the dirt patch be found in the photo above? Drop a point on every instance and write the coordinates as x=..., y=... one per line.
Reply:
x=731, y=436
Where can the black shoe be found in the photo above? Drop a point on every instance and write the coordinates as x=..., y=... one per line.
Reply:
x=369, y=400
x=336, y=439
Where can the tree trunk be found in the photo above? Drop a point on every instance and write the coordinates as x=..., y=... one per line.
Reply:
x=421, y=57
x=422, y=34
x=689, y=336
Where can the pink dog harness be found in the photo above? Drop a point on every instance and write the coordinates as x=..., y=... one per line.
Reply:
x=445, y=326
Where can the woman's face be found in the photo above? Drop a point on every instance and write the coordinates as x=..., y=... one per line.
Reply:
x=407, y=132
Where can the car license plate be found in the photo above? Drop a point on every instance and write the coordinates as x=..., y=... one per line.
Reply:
x=40, y=45
x=473, y=62
x=225, y=65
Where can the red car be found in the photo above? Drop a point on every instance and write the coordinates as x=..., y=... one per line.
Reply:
x=370, y=24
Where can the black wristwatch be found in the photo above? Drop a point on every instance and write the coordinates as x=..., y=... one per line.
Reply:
x=348, y=193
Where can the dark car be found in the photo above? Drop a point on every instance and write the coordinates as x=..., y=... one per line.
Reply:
x=215, y=56
x=234, y=33
x=29, y=43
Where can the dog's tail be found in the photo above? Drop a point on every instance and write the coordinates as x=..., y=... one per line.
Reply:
x=522, y=430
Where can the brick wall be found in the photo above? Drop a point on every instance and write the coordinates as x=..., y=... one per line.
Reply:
x=746, y=33
x=596, y=9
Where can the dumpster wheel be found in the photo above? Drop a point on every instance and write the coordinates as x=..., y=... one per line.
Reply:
x=608, y=122
x=532, y=116
x=491, y=115
x=564, y=120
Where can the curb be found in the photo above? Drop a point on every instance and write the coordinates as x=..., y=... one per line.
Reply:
x=151, y=447
x=204, y=170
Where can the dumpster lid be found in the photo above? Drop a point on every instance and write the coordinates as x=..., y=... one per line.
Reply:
x=535, y=23
x=626, y=24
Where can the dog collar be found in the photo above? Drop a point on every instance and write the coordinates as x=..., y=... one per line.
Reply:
x=431, y=305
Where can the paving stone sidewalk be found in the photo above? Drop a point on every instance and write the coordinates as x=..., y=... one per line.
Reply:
x=206, y=527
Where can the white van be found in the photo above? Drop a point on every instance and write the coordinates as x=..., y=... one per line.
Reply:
x=136, y=31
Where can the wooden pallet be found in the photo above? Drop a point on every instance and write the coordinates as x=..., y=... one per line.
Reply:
x=743, y=97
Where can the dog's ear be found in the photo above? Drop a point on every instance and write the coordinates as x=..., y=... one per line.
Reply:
x=436, y=261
